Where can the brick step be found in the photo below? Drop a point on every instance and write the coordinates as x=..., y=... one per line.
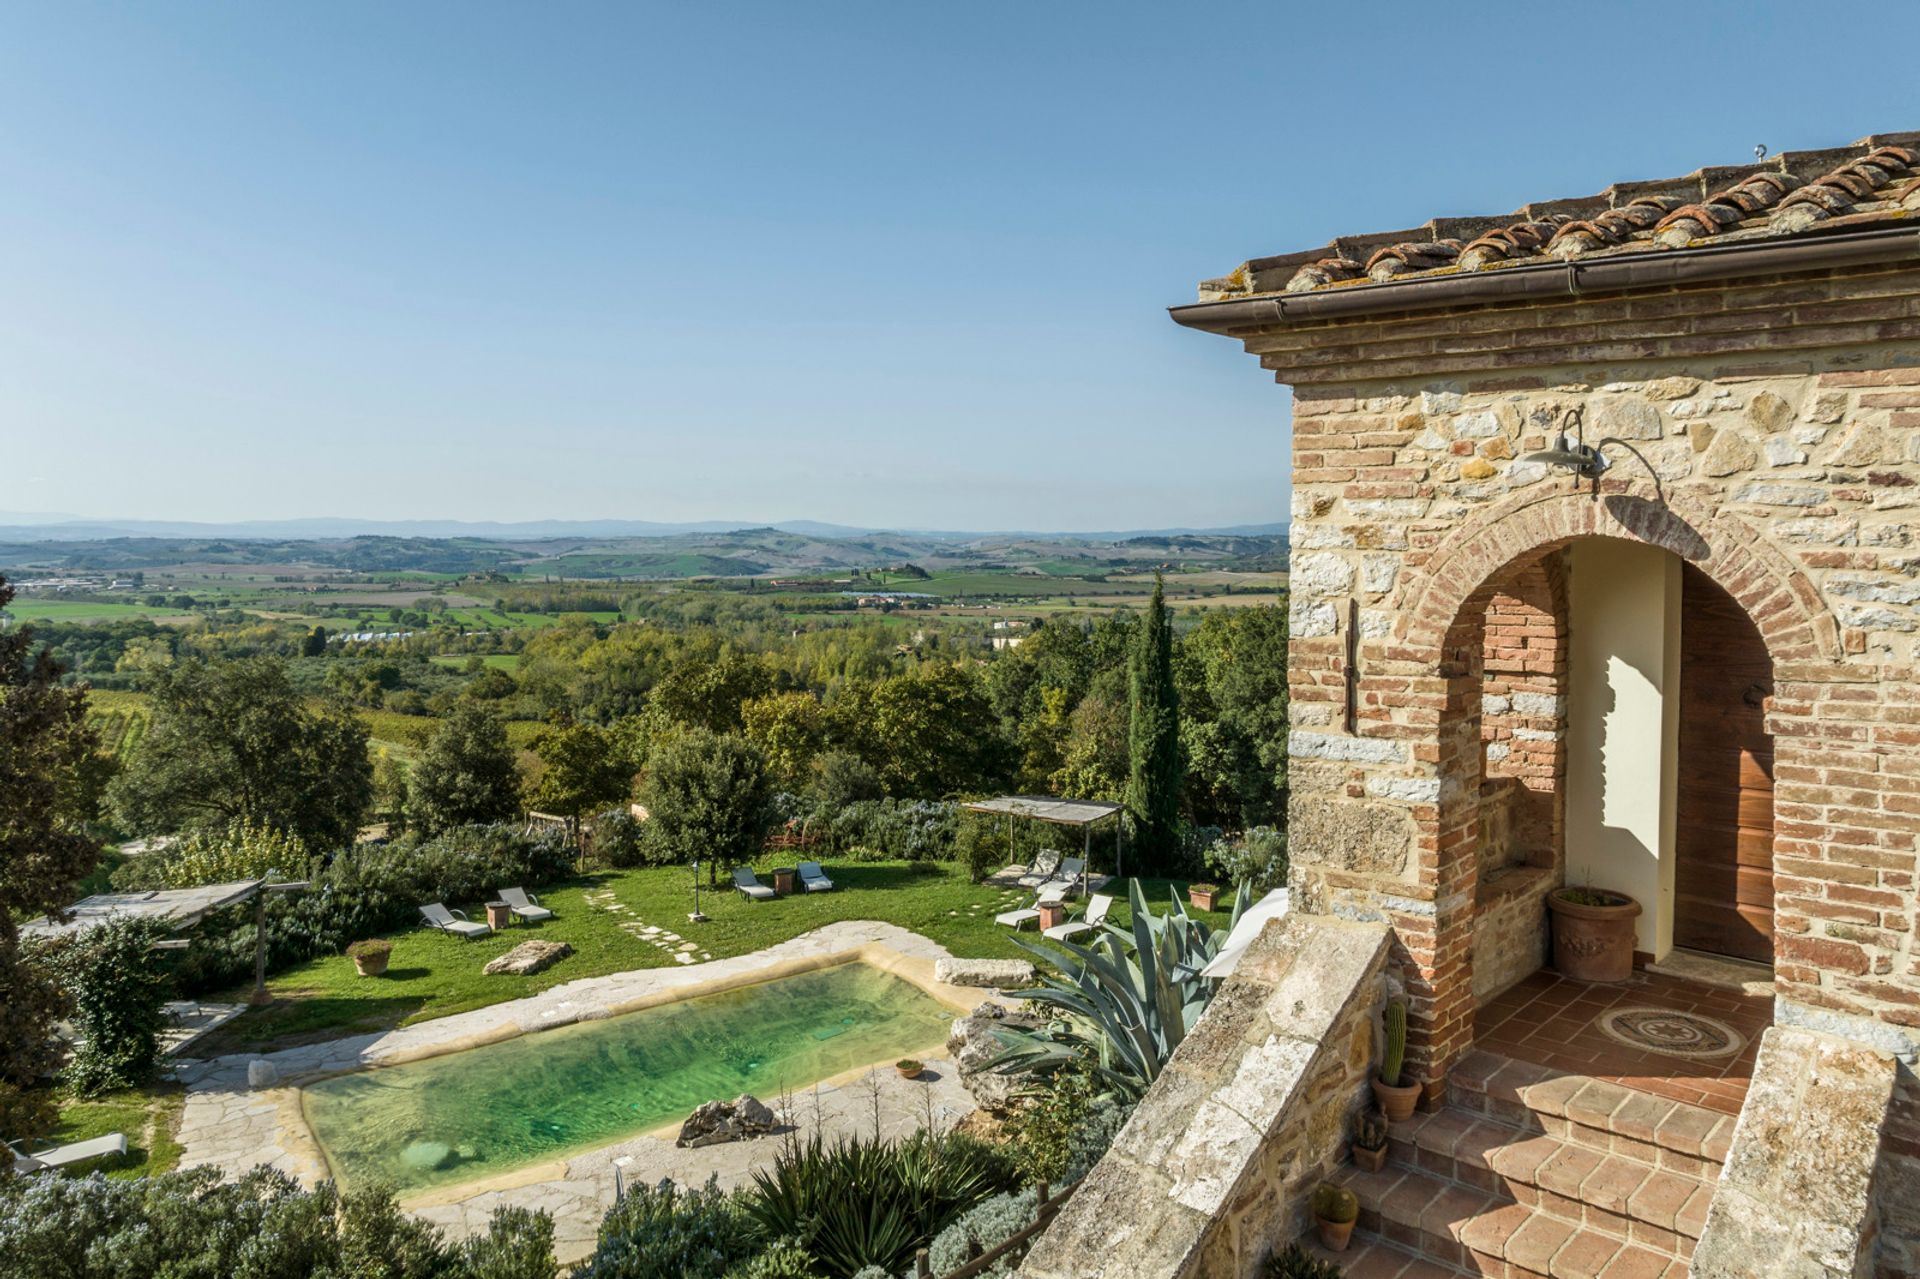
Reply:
x=1370, y=1257
x=1613, y=1193
x=1433, y=1219
x=1674, y=1135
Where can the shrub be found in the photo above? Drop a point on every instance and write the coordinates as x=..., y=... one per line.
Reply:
x=1040, y=1130
x=622, y=840
x=260, y=1226
x=1093, y=1136
x=868, y=1202
x=1257, y=858
x=782, y=1259
x=216, y=855
x=116, y=983
x=990, y=1223
x=981, y=847
x=667, y=1232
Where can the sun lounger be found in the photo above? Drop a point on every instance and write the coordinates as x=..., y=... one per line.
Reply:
x=1096, y=915
x=524, y=904
x=1042, y=870
x=1067, y=882
x=1017, y=919
x=814, y=878
x=747, y=882
x=114, y=1143
x=452, y=921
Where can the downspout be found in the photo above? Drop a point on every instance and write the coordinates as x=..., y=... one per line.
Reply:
x=1557, y=279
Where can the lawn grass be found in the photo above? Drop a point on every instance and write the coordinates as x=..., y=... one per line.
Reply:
x=432, y=975
x=150, y=1117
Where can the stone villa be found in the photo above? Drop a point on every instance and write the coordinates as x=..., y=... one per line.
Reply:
x=1689, y=671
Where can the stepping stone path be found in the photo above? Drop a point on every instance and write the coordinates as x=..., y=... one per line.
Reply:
x=682, y=952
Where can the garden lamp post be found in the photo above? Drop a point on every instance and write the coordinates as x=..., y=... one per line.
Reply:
x=696, y=917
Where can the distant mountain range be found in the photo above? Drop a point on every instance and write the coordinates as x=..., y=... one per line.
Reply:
x=25, y=526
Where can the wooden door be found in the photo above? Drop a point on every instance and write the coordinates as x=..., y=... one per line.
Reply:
x=1723, y=875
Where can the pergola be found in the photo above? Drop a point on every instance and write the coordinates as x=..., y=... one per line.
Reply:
x=1083, y=813
x=177, y=908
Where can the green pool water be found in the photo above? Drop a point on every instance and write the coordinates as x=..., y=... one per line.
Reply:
x=483, y=1111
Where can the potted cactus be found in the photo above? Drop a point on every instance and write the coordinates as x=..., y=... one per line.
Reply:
x=370, y=957
x=909, y=1068
x=1370, y=1140
x=1397, y=1097
x=1335, y=1209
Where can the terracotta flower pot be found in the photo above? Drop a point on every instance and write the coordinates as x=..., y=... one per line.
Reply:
x=1396, y=1101
x=1203, y=896
x=372, y=965
x=1370, y=1160
x=1052, y=914
x=1593, y=940
x=909, y=1069
x=1334, y=1235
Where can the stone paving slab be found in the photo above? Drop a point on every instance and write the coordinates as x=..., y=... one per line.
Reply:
x=226, y=1125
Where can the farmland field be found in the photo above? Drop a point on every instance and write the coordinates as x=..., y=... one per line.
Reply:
x=119, y=719
x=30, y=608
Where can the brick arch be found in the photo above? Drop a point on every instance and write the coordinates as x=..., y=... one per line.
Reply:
x=1781, y=599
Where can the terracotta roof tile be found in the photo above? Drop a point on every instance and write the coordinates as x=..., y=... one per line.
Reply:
x=1873, y=181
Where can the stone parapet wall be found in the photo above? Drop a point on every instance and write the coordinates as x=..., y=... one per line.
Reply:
x=1213, y=1170
x=1797, y=1196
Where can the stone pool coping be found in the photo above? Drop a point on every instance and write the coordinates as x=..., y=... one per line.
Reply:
x=227, y=1125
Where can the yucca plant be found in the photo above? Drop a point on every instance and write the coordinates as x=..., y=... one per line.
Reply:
x=1126, y=1001
x=860, y=1202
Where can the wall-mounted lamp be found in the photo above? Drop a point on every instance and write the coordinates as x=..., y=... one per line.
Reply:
x=1570, y=453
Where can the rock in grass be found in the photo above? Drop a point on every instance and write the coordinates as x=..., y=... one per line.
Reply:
x=529, y=957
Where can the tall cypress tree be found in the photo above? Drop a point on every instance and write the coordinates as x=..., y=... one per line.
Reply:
x=1153, y=736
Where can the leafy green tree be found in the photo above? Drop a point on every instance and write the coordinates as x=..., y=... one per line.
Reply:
x=466, y=774
x=233, y=741
x=841, y=778
x=789, y=730
x=581, y=771
x=1232, y=675
x=707, y=796
x=1153, y=735
x=44, y=742
x=931, y=733
x=709, y=694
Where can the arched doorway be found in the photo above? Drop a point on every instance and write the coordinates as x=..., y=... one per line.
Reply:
x=1723, y=874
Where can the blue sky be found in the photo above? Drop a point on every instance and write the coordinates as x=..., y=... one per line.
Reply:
x=891, y=264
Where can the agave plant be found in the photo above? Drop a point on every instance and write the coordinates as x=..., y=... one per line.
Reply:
x=1126, y=1001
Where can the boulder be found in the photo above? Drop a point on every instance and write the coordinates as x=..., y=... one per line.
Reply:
x=716, y=1121
x=993, y=974
x=529, y=957
x=262, y=1073
x=973, y=1044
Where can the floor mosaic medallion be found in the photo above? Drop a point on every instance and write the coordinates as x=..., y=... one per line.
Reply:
x=1678, y=1034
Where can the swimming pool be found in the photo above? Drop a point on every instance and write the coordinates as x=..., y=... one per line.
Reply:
x=486, y=1110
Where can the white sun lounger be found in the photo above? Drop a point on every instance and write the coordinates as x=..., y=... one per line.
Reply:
x=747, y=882
x=1017, y=919
x=114, y=1143
x=452, y=921
x=1067, y=880
x=1042, y=870
x=814, y=878
x=1096, y=915
x=524, y=904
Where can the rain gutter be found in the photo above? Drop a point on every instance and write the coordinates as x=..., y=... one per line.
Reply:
x=1558, y=279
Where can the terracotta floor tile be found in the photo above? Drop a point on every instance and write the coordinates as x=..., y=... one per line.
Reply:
x=1532, y=1246
x=1635, y=1262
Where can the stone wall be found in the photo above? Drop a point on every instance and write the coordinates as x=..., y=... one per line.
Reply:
x=1212, y=1171
x=1797, y=1195
x=1510, y=928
